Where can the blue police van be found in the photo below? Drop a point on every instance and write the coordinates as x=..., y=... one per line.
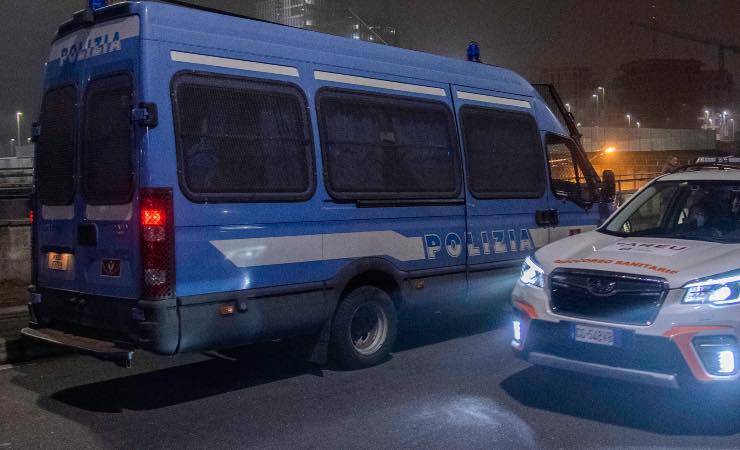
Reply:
x=206, y=181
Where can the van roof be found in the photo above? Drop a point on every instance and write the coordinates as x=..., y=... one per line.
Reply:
x=198, y=26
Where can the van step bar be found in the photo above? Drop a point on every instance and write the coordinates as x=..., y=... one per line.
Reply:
x=104, y=350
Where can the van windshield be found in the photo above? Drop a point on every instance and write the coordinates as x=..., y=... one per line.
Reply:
x=696, y=210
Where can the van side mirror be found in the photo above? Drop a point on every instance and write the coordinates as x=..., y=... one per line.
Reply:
x=35, y=132
x=608, y=186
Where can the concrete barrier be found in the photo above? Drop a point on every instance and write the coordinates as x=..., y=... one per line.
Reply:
x=15, y=254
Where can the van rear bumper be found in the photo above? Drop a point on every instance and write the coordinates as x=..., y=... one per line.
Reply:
x=106, y=350
x=75, y=320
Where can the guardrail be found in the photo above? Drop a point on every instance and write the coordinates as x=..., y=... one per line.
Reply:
x=16, y=182
x=13, y=192
x=15, y=223
x=631, y=182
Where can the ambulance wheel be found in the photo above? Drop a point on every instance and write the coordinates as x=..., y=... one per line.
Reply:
x=364, y=328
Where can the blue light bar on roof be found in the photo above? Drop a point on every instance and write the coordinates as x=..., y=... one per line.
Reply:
x=97, y=4
x=474, y=52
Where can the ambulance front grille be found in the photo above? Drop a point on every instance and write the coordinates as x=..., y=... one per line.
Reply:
x=607, y=296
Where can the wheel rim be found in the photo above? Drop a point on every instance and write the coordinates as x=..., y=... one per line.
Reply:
x=368, y=328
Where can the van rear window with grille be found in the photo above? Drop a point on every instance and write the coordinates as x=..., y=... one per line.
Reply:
x=107, y=165
x=56, y=148
x=240, y=139
x=504, y=155
x=387, y=147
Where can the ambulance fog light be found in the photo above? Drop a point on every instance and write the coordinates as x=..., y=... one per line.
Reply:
x=718, y=354
x=726, y=361
x=517, y=326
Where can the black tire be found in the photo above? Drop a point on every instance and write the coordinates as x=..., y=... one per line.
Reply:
x=355, y=341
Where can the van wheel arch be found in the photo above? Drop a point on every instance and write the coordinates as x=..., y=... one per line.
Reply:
x=375, y=272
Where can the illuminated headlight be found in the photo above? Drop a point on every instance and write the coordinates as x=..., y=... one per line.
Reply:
x=532, y=274
x=517, y=325
x=722, y=289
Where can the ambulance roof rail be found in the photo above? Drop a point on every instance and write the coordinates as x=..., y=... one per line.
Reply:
x=703, y=166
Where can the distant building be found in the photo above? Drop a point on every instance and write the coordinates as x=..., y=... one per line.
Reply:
x=373, y=32
x=575, y=85
x=671, y=93
x=327, y=16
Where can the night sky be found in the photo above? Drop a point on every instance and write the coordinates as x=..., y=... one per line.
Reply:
x=524, y=35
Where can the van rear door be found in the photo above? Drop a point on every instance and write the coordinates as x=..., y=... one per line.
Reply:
x=106, y=233
x=55, y=190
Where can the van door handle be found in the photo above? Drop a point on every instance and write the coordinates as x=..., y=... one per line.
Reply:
x=87, y=234
x=542, y=218
x=554, y=217
x=547, y=217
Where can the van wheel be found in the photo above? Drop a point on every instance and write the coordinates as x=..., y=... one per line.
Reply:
x=364, y=328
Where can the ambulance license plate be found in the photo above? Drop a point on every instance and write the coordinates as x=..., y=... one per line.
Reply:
x=595, y=335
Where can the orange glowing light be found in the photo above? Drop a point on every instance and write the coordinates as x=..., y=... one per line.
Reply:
x=152, y=217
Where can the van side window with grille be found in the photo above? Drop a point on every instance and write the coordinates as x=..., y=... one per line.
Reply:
x=240, y=139
x=567, y=174
x=387, y=147
x=56, y=148
x=107, y=162
x=504, y=154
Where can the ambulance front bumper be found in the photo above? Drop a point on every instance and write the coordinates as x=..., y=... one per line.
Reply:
x=680, y=348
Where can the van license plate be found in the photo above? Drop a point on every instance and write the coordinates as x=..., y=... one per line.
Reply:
x=594, y=335
x=59, y=261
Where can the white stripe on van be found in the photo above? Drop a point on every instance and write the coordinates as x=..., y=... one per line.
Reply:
x=382, y=84
x=230, y=63
x=320, y=247
x=57, y=212
x=494, y=100
x=558, y=233
x=119, y=213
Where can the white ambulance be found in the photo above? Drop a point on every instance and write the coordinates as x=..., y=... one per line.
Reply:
x=652, y=296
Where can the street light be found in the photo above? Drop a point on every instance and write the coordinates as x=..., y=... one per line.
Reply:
x=603, y=92
x=605, y=152
x=18, y=123
x=629, y=121
x=638, y=124
x=567, y=106
x=596, y=96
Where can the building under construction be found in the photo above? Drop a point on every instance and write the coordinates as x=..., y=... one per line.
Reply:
x=335, y=17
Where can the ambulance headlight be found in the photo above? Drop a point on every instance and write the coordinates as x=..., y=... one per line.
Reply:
x=532, y=274
x=722, y=289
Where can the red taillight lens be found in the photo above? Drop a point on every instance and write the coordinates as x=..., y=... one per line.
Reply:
x=30, y=216
x=157, y=243
x=153, y=217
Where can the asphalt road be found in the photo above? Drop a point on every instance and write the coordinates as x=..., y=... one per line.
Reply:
x=449, y=384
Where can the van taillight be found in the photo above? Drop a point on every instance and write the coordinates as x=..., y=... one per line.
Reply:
x=157, y=243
